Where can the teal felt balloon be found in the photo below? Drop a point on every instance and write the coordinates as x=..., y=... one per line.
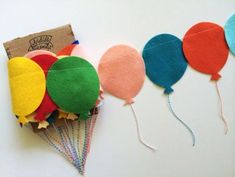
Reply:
x=229, y=30
x=164, y=60
x=73, y=84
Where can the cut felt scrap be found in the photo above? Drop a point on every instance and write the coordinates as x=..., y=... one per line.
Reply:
x=164, y=60
x=229, y=29
x=28, y=86
x=205, y=48
x=73, y=85
x=47, y=106
x=122, y=72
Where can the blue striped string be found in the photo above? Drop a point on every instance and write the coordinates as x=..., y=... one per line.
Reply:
x=184, y=124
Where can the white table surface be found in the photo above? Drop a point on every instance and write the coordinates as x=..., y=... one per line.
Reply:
x=116, y=152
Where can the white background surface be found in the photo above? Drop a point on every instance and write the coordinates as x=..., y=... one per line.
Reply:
x=98, y=24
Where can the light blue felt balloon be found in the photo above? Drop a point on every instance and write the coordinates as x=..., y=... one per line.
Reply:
x=164, y=60
x=229, y=29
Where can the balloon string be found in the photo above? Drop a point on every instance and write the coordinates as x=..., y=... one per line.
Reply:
x=221, y=113
x=73, y=135
x=91, y=129
x=64, y=143
x=65, y=133
x=78, y=139
x=84, y=153
x=138, y=130
x=47, y=139
x=73, y=150
x=184, y=124
x=57, y=146
x=50, y=136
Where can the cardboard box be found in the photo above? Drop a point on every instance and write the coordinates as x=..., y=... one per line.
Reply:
x=52, y=40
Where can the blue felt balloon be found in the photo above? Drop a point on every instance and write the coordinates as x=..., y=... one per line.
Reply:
x=164, y=60
x=229, y=30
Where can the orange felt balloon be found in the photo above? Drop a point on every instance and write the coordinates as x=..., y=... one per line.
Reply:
x=122, y=72
x=205, y=48
x=67, y=50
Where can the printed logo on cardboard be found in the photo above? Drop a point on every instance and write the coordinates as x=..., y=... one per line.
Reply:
x=41, y=42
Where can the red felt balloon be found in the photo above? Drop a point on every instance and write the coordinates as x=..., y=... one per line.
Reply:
x=205, y=48
x=67, y=50
x=47, y=106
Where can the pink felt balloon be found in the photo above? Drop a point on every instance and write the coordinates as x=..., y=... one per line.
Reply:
x=38, y=52
x=78, y=51
x=122, y=72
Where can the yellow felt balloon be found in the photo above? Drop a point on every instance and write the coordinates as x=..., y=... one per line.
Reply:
x=28, y=86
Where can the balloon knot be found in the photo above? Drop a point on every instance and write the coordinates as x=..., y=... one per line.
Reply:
x=129, y=101
x=83, y=116
x=23, y=120
x=215, y=77
x=168, y=90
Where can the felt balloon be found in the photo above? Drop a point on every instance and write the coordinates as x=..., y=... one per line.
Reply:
x=164, y=60
x=165, y=65
x=229, y=29
x=122, y=72
x=78, y=51
x=27, y=84
x=34, y=53
x=205, y=48
x=73, y=85
x=47, y=106
x=67, y=50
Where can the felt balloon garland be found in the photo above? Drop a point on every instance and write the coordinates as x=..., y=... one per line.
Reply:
x=165, y=65
x=60, y=94
x=122, y=74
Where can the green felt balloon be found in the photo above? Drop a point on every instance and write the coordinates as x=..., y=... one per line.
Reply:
x=73, y=84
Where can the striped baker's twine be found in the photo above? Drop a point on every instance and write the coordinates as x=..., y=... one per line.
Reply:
x=65, y=134
x=59, y=143
x=48, y=138
x=58, y=149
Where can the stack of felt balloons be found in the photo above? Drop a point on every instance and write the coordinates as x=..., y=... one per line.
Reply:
x=60, y=95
